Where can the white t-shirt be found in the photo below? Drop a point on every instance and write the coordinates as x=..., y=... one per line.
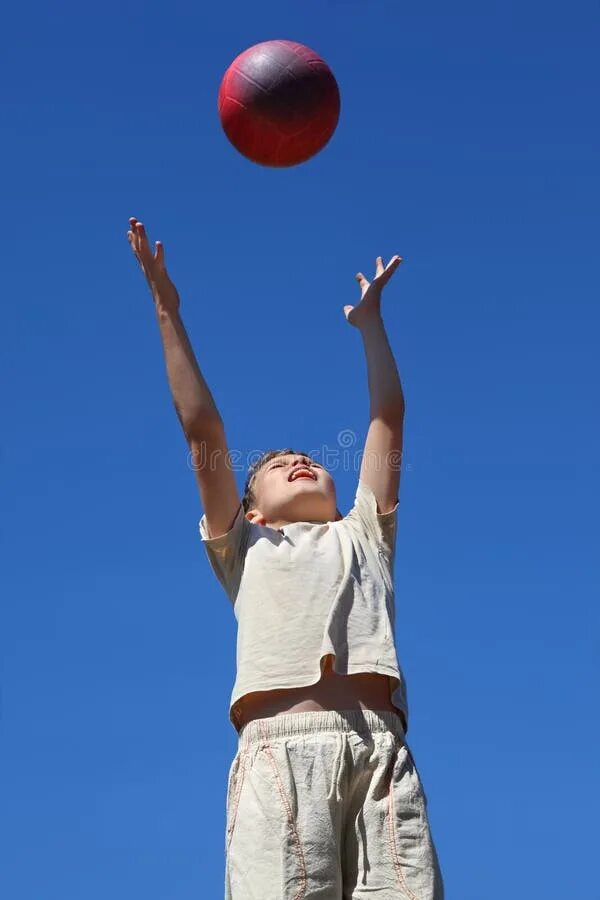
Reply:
x=307, y=590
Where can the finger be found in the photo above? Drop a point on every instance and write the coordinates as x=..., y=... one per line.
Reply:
x=379, y=266
x=132, y=224
x=143, y=244
x=391, y=268
x=133, y=242
x=347, y=310
x=394, y=262
x=159, y=254
x=360, y=278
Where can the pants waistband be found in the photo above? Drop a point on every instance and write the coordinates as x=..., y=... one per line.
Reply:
x=363, y=721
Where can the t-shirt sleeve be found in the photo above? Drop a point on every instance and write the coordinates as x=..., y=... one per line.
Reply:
x=226, y=552
x=380, y=528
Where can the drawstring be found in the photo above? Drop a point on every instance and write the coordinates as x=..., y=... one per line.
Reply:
x=338, y=767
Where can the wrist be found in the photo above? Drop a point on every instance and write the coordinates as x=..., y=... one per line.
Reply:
x=165, y=308
x=371, y=323
x=164, y=295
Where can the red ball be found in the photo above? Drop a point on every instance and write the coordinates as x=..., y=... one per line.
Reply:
x=279, y=103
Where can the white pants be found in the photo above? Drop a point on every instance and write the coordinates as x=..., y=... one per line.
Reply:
x=328, y=806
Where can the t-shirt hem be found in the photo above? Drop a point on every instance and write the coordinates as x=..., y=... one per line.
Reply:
x=217, y=541
x=352, y=669
x=364, y=489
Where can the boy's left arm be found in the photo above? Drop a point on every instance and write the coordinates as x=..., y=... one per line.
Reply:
x=380, y=466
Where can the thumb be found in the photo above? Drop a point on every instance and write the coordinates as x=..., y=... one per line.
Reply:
x=347, y=310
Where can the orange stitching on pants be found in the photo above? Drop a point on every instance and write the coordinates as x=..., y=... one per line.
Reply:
x=395, y=859
x=236, y=801
x=292, y=824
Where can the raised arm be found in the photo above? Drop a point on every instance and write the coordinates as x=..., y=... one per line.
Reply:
x=194, y=404
x=380, y=466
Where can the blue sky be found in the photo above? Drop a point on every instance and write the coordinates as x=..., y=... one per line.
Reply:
x=467, y=143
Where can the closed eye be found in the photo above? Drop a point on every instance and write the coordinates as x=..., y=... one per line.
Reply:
x=306, y=463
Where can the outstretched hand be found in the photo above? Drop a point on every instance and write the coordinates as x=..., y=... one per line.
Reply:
x=370, y=292
x=153, y=265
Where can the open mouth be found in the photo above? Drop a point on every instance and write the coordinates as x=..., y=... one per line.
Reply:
x=302, y=473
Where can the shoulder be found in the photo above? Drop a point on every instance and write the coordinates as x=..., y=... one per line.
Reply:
x=365, y=517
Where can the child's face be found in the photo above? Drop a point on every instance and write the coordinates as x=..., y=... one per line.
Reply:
x=293, y=488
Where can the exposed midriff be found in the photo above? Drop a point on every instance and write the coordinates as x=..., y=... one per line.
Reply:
x=364, y=690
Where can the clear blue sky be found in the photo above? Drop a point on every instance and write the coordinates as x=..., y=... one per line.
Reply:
x=467, y=143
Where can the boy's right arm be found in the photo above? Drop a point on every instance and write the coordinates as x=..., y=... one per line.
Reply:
x=194, y=404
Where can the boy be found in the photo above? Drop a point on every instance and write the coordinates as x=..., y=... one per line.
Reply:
x=324, y=801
